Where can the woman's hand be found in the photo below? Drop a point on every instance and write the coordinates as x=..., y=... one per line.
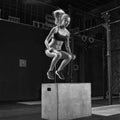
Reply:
x=51, y=49
x=73, y=56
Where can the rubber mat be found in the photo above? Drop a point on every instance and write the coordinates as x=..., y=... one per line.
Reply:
x=106, y=110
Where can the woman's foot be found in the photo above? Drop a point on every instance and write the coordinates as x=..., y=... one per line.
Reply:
x=60, y=75
x=51, y=75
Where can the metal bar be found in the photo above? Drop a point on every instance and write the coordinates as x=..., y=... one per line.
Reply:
x=103, y=60
x=97, y=26
x=91, y=28
x=109, y=65
x=114, y=22
x=101, y=23
x=110, y=10
x=39, y=2
x=81, y=12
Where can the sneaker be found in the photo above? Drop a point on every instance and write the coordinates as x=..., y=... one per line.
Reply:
x=51, y=75
x=60, y=75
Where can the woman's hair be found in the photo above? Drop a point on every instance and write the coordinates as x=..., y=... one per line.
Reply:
x=65, y=16
x=57, y=15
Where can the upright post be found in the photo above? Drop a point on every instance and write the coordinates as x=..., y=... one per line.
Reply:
x=106, y=25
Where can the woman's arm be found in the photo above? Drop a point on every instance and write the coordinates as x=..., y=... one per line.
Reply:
x=49, y=37
x=67, y=44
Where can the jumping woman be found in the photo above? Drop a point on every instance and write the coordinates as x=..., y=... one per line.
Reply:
x=54, y=41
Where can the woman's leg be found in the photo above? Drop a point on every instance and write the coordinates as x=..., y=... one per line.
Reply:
x=66, y=59
x=55, y=59
x=56, y=56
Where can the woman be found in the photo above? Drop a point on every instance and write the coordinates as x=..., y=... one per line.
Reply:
x=54, y=41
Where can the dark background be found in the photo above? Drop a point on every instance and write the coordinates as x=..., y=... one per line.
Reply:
x=23, y=40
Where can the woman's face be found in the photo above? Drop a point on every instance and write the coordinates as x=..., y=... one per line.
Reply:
x=65, y=22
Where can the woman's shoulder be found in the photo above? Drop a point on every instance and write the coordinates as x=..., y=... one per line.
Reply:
x=67, y=31
x=55, y=29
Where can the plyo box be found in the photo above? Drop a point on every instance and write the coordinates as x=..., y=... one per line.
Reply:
x=65, y=101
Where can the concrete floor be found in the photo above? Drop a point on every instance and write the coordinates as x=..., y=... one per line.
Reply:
x=15, y=111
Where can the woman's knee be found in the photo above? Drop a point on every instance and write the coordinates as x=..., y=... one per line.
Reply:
x=70, y=57
x=67, y=56
x=58, y=55
x=49, y=54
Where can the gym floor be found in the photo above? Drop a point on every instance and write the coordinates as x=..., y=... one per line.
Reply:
x=18, y=111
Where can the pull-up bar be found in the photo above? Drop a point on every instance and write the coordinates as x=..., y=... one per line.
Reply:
x=110, y=10
x=99, y=25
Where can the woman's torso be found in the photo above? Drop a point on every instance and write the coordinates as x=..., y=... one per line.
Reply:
x=59, y=38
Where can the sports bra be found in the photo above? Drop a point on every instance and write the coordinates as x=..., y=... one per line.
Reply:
x=59, y=37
